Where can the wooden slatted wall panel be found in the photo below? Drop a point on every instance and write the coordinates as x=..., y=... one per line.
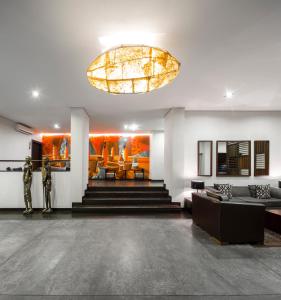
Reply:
x=261, y=158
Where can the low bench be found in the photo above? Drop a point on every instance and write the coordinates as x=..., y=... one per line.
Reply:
x=273, y=219
x=188, y=204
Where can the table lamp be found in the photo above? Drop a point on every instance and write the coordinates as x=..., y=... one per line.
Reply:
x=197, y=185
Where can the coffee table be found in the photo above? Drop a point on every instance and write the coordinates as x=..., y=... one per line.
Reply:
x=273, y=219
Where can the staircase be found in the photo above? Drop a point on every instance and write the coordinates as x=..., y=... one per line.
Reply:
x=126, y=199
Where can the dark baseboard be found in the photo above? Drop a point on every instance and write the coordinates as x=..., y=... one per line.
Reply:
x=35, y=209
x=156, y=180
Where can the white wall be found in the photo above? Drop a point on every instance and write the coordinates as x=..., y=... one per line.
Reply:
x=14, y=145
x=11, y=190
x=215, y=126
x=157, y=156
x=79, y=153
x=174, y=124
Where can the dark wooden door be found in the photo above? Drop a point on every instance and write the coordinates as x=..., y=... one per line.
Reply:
x=36, y=154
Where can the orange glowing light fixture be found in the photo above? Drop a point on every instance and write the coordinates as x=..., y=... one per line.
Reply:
x=133, y=69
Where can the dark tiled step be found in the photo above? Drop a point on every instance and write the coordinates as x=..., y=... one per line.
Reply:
x=172, y=208
x=126, y=201
x=126, y=194
x=126, y=188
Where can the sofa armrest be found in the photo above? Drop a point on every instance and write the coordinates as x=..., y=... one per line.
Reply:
x=206, y=213
x=242, y=222
x=213, y=190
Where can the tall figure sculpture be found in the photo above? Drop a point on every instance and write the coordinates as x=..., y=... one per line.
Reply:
x=27, y=181
x=47, y=185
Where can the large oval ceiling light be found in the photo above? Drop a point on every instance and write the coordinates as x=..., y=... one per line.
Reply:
x=132, y=69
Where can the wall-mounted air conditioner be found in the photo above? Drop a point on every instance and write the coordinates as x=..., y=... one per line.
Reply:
x=24, y=129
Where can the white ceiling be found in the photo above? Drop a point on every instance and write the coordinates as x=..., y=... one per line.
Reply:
x=221, y=44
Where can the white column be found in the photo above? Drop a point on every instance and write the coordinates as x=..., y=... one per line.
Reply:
x=174, y=152
x=157, y=155
x=79, y=153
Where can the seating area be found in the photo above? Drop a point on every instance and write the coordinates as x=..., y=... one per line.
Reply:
x=229, y=222
x=247, y=194
x=236, y=214
x=121, y=170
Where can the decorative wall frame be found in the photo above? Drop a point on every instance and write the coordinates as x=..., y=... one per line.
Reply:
x=233, y=158
x=205, y=158
x=261, y=158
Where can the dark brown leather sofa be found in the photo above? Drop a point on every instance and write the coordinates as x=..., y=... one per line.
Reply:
x=229, y=222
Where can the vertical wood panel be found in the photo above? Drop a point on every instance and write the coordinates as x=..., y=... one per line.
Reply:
x=261, y=158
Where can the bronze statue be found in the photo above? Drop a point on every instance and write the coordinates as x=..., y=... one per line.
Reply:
x=27, y=181
x=47, y=185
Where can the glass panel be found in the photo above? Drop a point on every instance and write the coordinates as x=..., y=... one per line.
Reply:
x=205, y=158
x=233, y=158
x=261, y=158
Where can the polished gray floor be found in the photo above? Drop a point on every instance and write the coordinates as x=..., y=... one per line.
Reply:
x=129, y=258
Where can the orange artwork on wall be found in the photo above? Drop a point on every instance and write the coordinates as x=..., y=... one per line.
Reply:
x=56, y=147
x=127, y=152
x=114, y=151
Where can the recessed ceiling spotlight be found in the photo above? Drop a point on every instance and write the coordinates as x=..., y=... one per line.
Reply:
x=57, y=126
x=35, y=94
x=131, y=127
x=134, y=127
x=229, y=94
